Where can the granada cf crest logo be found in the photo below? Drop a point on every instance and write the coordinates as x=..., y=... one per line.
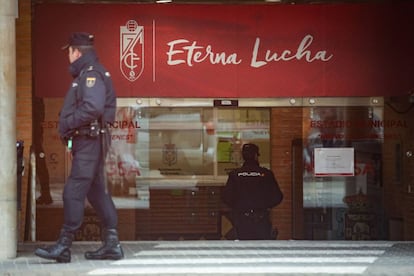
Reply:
x=132, y=50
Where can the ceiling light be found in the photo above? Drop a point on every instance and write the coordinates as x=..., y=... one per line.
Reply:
x=163, y=1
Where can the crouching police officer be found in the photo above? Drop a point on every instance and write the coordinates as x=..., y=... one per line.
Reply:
x=250, y=192
x=88, y=107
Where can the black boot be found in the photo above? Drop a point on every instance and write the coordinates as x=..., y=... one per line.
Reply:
x=110, y=250
x=60, y=251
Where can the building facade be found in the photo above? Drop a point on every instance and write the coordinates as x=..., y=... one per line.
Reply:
x=324, y=90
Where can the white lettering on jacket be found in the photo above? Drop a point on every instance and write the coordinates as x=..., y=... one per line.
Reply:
x=249, y=174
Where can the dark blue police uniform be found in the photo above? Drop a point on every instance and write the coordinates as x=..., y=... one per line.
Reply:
x=250, y=192
x=90, y=98
x=89, y=105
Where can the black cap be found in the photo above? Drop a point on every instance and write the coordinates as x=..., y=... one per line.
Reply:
x=249, y=151
x=79, y=39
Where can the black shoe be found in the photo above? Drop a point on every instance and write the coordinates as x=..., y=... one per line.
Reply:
x=44, y=200
x=110, y=250
x=60, y=251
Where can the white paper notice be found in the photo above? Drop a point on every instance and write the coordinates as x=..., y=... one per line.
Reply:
x=334, y=162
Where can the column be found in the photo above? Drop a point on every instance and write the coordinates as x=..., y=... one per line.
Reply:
x=8, y=166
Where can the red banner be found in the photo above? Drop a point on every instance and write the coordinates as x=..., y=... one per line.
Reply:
x=240, y=51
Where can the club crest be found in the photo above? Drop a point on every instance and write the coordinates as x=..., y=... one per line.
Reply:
x=169, y=154
x=132, y=50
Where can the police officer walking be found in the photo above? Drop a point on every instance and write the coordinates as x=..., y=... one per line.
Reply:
x=250, y=192
x=89, y=105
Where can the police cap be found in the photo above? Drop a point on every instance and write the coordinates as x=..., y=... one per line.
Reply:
x=249, y=151
x=79, y=39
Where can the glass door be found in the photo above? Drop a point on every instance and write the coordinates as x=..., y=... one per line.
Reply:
x=341, y=189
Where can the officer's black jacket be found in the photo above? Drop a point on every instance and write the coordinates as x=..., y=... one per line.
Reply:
x=251, y=187
x=90, y=97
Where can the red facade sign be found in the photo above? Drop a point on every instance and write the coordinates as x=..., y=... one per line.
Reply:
x=226, y=51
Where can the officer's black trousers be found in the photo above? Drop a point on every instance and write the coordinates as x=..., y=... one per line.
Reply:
x=86, y=180
x=253, y=227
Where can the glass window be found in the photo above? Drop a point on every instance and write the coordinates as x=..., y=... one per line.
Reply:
x=195, y=142
x=165, y=167
x=334, y=204
x=154, y=145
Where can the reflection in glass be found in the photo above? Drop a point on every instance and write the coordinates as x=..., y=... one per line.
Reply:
x=193, y=143
x=326, y=199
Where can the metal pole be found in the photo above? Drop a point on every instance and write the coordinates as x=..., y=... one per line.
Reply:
x=33, y=196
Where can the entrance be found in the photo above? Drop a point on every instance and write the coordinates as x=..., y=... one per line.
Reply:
x=165, y=168
x=337, y=175
x=170, y=158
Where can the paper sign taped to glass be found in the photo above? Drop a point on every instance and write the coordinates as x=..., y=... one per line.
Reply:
x=334, y=162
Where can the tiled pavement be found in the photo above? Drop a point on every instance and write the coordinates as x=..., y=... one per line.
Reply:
x=227, y=258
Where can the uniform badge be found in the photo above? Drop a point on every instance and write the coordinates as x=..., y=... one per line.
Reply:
x=90, y=82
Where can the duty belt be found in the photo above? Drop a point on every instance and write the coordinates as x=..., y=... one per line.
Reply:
x=81, y=132
x=86, y=131
x=254, y=212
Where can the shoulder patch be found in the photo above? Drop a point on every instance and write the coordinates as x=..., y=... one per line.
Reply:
x=90, y=81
